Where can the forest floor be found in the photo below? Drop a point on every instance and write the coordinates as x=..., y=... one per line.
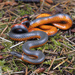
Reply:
x=59, y=50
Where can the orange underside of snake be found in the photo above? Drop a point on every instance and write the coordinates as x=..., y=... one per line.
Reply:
x=49, y=29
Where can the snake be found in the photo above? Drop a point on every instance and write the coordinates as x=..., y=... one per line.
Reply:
x=22, y=32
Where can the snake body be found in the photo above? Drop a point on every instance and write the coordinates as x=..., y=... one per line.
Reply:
x=34, y=32
x=30, y=44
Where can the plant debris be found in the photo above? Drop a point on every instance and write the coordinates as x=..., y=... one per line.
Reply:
x=73, y=30
x=39, y=70
x=1, y=47
x=1, y=57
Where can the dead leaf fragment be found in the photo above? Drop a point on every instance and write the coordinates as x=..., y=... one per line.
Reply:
x=1, y=1
x=10, y=3
x=1, y=57
x=39, y=70
x=1, y=47
x=46, y=3
x=49, y=1
x=73, y=30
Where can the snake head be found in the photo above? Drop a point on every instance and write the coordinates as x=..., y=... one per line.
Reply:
x=25, y=17
x=26, y=23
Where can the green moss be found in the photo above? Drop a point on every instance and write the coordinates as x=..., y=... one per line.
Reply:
x=23, y=12
x=51, y=10
x=52, y=46
x=14, y=64
x=73, y=66
x=57, y=62
x=56, y=43
x=65, y=64
x=68, y=44
x=70, y=71
x=1, y=13
x=6, y=68
x=2, y=62
x=13, y=17
x=60, y=70
x=47, y=62
x=7, y=46
x=57, y=36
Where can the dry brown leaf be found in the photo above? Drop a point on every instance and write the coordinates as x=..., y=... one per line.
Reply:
x=1, y=1
x=1, y=57
x=10, y=3
x=49, y=1
x=1, y=47
x=39, y=70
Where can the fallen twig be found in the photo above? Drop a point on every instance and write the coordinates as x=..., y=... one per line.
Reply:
x=60, y=64
x=69, y=52
x=68, y=67
x=50, y=52
x=4, y=30
x=16, y=44
x=6, y=23
x=68, y=40
x=13, y=13
x=54, y=6
x=5, y=39
x=67, y=46
x=51, y=63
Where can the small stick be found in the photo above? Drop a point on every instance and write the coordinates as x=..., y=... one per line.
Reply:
x=15, y=20
x=16, y=44
x=68, y=72
x=49, y=57
x=4, y=30
x=50, y=73
x=60, y=58
x=4, y=18
x=60, y=64
x=13, y=13
x=69, y=68
x=69, y=52
x=73, y=39
x=0, y=70
x=65, y=2
x=68, y=40
x=5, y=39
x=19, y=72
x=55, y=49
x=26, y=69
x=5, y=23
x=43, y=50
x=54, y=6
x=4, y=7
x=50, y=52
x=51, y=63
x=67, y=46
x=71, y=61
x=41, y=7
